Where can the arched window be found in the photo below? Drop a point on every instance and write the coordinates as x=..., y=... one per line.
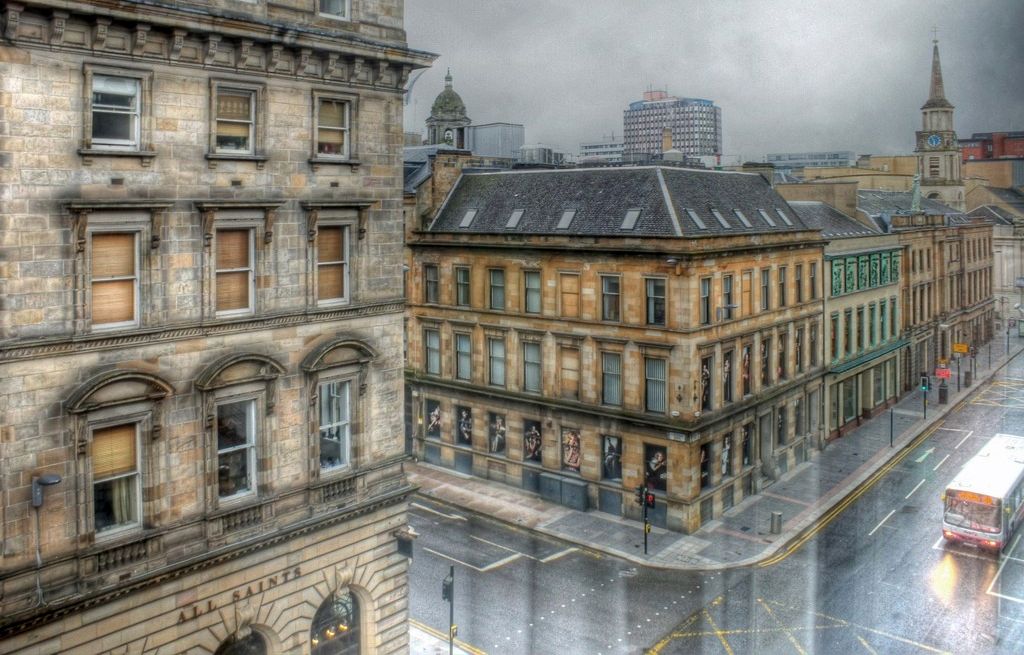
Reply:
x=253, y=644
x=335, y=628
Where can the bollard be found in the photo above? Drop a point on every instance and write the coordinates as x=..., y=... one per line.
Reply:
x=968, y=378
x=944, y=393
x=776, y=522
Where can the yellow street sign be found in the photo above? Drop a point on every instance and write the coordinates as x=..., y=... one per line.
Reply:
x=961, y=348
x=455, y=631
x=647, y=528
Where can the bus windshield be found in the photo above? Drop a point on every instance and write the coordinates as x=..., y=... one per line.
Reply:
x=971, y=515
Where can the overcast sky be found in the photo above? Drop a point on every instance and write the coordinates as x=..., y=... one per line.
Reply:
x=789, y=75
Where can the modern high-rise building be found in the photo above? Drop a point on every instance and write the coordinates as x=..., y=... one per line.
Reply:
x=607, y=149
x=695, y=124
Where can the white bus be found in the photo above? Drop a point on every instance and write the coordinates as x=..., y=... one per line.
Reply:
x=984, y=504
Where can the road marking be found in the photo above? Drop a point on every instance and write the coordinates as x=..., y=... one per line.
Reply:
x=866, y=646
x=491, y=543
x=552, y=558
x=966, y=437
x=925, y=456
x=956, y=430
x=789, y=633
x=786, y=498
x=940, y=462
x=913, y=490
x=490, y=567
x=1006, y=560
x=443, y=637
x=841, y=506
x=434, y=511
x=891, y=512
x=718, y=633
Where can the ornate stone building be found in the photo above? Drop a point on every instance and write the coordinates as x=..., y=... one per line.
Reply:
x=938, y=153
x=448, y=121
x=582, y=332
x=201, y=332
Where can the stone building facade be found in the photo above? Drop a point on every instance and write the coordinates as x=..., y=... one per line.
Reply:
x=580, y=333
x=201, y=334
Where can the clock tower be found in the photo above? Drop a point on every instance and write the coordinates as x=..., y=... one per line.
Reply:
x=938, y=153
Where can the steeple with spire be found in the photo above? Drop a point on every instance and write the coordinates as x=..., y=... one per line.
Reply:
x=938, y=152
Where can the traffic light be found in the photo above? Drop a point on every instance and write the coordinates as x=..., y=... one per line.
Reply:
x=447, y=588
x=649, y=498
x=924, y=383
x=640, y=495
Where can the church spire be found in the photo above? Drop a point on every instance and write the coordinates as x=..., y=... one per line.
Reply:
x=936, y=93
x=448, y=79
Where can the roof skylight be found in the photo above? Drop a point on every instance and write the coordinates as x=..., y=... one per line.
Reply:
x=566, y=220
x=513, y=220
x=630, y=220
x=721, y=219
x=743, y=219
x=467, y=218
x=766, y=217
x=696, y=219
x=785, y=219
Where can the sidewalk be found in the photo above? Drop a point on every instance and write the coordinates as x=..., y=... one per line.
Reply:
x=742, y=535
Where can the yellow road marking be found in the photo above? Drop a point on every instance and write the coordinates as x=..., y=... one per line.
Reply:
x=838, y=509
x=718, y=633
x=867, y=647
x=789, y=633
x=473, y=650
x=671, y=636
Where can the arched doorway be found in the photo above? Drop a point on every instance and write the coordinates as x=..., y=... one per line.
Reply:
x=335, y=629
x=253, y=644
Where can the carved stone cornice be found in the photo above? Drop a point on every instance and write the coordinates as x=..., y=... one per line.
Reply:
x=91, y=343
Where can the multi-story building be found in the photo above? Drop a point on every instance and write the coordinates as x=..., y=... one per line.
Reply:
x=695, y=126
x=797, y=161
x=862, y=318
x=502, y=140
x=608, y=149
x=992, y=145
x=201, y=332
x=581, y=332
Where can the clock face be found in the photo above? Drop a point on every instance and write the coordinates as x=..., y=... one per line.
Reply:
x=935, y=141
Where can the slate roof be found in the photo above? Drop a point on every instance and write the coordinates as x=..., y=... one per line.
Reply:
x=1012, y=197
x=601, y=198
x=874, y=202
x=833, y=223
x=992, y=213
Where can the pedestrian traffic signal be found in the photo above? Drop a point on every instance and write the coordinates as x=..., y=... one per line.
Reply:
x=446, y=589
x=649, y=499
x=640, y=495
x=924, y=383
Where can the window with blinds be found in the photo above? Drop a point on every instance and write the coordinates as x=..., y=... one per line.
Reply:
x=115, y=111
x=531, y=285
x=432, y=351
x=234, y=272
x=531, y=367
x=497, y=288
x=569, y=286
x=462, y=292
x=611, y=378
x=570, y=372
x=332, y=128
x=655, y=369
x=115, y=477
x=332, y=263
x=115, y=279
x=463, y=356
x=235, y=120
x=496, y=364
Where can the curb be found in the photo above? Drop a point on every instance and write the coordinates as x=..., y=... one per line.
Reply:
x=791, y=540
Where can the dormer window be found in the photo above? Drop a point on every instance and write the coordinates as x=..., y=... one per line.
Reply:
x=566, y=219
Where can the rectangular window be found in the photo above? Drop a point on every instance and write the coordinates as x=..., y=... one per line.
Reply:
x=236, y=448
x=235, y=122
x=747, y=447
x=782, y=286
x=332, y=263
x=430, y=283
x=655, y=301
x=115, y=477
x=705, y=465
x=497, y=288
x=463, y=356
x=335, y=8
x=706, y=395
x=531, y=367
x=432, y=351
x=847, y=331
x=813, y=344
x=766, y=290
x=813, y=280
x=727, y=383
x=531, y=285
x=654, y=372
x=872, y=335
x=609, y=298
x=332, y=128
x=115, y=279
x=798, y=347
x=882, y=316
x=705, y=300
x=496, y=361
x=115, y=112
x=747, y=293
x=780, y=435
x=335, y=424
x=860, y=329
x=781, y=352
x=798, y=282
x=462, y=286
x=611, y=378
x=235, y=276
x=893, y=327
x=569, y=290
x=570, y=372
x=727, y=297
